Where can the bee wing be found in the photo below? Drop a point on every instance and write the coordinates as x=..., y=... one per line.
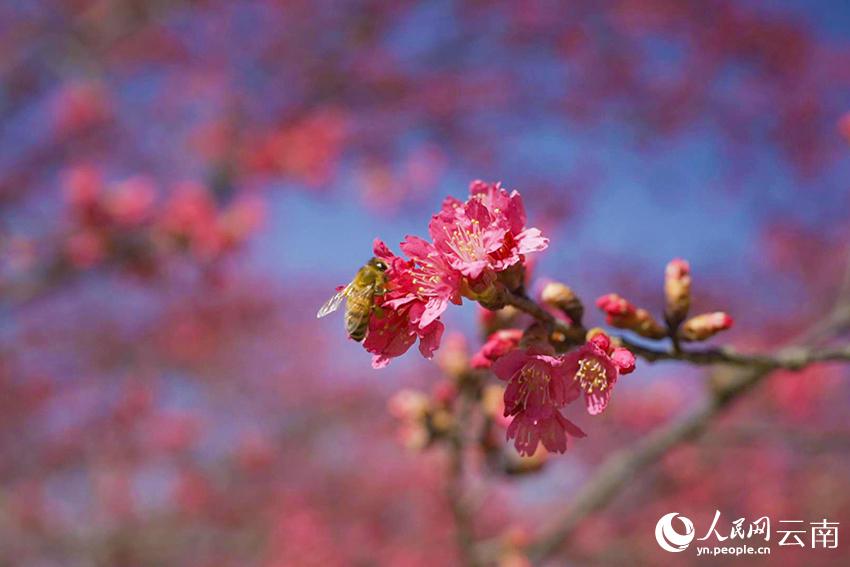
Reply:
x=334, y=302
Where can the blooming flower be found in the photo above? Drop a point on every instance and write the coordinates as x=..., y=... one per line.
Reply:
x=431, y=278
x=594, y=369
x=485, y=232
x=400, y=316
x=537, y=387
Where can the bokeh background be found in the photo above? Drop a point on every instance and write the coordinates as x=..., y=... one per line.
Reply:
x=184, y=183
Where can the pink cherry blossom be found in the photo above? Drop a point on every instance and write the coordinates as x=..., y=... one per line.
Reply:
x=594, y=369
x=433, y=280
x=401, y=316
x=537, y=387
x=485, y=232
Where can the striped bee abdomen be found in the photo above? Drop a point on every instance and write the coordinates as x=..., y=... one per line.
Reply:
x=358, y=308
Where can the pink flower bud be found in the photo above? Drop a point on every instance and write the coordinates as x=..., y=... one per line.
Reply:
x=704, y=326
x=615, y=307
x=677, y=290
x=562, y=297
x=624, y=315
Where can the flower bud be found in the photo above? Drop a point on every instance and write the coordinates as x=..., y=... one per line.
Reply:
x=562, y=297
x=624, y=315
x=513, y=278
x=677, y=291
x=617, y=309
x=645, y=325
x=707, y=325
x=486, y=290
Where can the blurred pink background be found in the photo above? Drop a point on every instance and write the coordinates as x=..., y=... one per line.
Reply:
x=184, y=183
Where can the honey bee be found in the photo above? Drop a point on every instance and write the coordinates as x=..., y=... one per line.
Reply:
x=360, y=298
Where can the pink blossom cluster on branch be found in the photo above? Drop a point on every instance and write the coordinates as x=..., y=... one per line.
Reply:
x=478, y=251
x=477, y=246
x=125, y=223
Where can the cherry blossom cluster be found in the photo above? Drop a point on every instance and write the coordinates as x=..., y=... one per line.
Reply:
x=477, y=250
x=125, y=222
x=540, y=384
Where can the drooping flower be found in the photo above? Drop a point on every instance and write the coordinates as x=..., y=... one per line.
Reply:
x=537, y=387
x=549, y=427
x=594, y=369
x=485, y=232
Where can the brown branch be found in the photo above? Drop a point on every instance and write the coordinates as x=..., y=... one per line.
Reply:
x=455, y=494
x=615, y=473
x=792, y=358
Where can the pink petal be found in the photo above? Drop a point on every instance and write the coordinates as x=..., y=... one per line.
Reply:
x=531, y=240
x=506, y=366
x=596, y=402
x=430, y=341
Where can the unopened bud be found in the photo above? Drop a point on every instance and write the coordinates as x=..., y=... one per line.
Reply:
x=677, y=291
x=623, y=314
x=486, y=290
x=707, y=325
x=616, y=308
x=562, y=297
x=645, y=325
x=513, y=278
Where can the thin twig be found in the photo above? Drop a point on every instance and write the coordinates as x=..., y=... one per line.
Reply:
x=615, y=473
x=792, y=358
